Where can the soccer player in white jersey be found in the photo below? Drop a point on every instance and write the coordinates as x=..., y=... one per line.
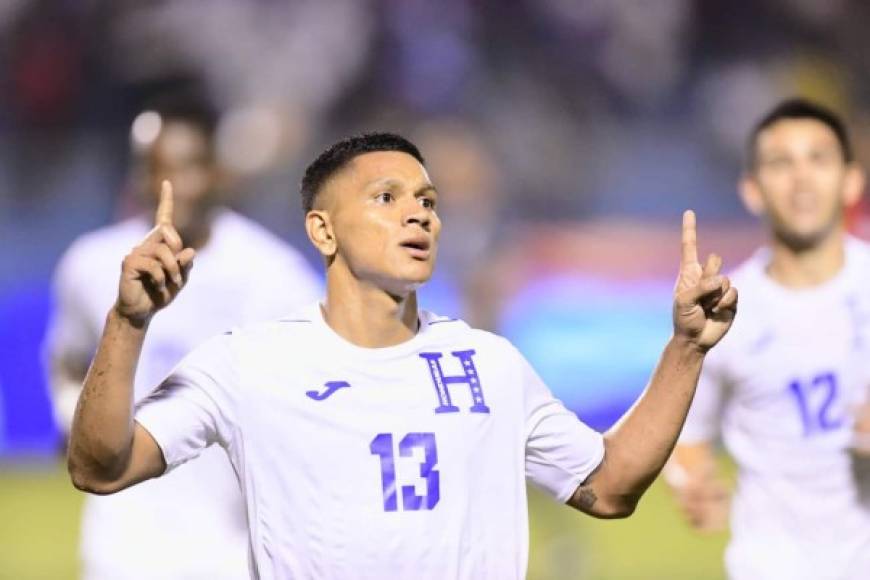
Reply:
x=372, y=439
x=784, y=387
x=190, y=524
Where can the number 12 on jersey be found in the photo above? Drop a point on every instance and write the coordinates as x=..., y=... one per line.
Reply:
x=816, y=400
x=382, y=446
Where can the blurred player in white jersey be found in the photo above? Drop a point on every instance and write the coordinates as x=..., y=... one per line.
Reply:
x=785, y=387
x=372, y=439
x=191, y=524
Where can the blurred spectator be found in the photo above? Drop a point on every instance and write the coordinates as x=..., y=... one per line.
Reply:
x=787, y=391
x=190, y=524
x=470, y=207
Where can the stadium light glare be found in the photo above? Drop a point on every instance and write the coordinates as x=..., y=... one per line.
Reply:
x=146, y=128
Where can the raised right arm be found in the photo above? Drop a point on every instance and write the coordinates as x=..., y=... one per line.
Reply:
x=108, y=451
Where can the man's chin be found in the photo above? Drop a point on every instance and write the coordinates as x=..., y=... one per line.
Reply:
x=414, y=285
x=407, y=284
x=802, y=241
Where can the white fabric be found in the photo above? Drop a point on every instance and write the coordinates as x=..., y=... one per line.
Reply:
x=313, y=471
x=780, y=388
x=190, y=524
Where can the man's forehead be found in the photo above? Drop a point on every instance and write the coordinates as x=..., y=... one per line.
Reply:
x=179, y=138
x=788, y=131
x=386, y=167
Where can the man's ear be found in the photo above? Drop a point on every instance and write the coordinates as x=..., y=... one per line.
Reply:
x=855, y=182
x=751, y=196
x=319, y=229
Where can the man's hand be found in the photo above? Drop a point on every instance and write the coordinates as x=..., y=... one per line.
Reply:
x=704, y=301
x=702, y=496
x=155, y=271
x=705, y=503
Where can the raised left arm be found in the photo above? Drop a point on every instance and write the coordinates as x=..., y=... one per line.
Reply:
x=637, y=447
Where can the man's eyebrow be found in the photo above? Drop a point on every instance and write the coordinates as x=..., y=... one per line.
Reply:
x=389, y=182
x=384, y=182
x=429, y=188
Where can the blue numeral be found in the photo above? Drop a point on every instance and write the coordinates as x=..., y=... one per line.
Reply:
x=815, y=415
x=382, y=446
x=410, y=500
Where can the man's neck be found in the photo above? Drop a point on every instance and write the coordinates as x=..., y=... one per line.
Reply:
x=807, y=267
x=368, y=316
x=198, y=234
x=197, y=238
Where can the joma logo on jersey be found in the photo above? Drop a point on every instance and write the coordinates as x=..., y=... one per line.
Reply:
x=329, y=389
x=442, y=382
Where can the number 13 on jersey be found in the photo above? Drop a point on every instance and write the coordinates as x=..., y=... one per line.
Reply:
x=382, y=446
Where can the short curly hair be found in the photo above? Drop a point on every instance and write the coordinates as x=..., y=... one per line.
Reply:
x=339, y=154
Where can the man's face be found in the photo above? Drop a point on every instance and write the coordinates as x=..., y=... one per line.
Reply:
x=381, y=207
x=801, y=181
x=181, y=154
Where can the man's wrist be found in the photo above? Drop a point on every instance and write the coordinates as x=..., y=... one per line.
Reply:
x=675, y=475
x=120, y=321
x=687, y=346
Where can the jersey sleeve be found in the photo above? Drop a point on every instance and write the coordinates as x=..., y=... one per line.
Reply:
x=70, y=339
x=561, y=451
x=69, y=329
x=703, y=421
x=194, y=407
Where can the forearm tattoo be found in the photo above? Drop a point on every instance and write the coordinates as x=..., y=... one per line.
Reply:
x=584, y=498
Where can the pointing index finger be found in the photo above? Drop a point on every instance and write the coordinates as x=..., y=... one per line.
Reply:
x=165, y=205
x=690, y=239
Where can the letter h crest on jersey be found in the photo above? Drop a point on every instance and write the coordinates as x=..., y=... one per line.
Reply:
x=442, y=383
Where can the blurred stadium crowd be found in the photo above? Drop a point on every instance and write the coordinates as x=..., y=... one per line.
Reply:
x=565, y=137
x=535, y=117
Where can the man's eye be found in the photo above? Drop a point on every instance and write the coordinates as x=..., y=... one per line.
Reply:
x=778, y=163
x=428, y=203
x=823, y=157
x=385, y=197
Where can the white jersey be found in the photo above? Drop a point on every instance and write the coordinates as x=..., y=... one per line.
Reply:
x=782, y=386
x=405, y=462
x=190, y=524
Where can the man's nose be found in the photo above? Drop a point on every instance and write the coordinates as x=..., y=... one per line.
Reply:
x=802, y=172
x=417, y=214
